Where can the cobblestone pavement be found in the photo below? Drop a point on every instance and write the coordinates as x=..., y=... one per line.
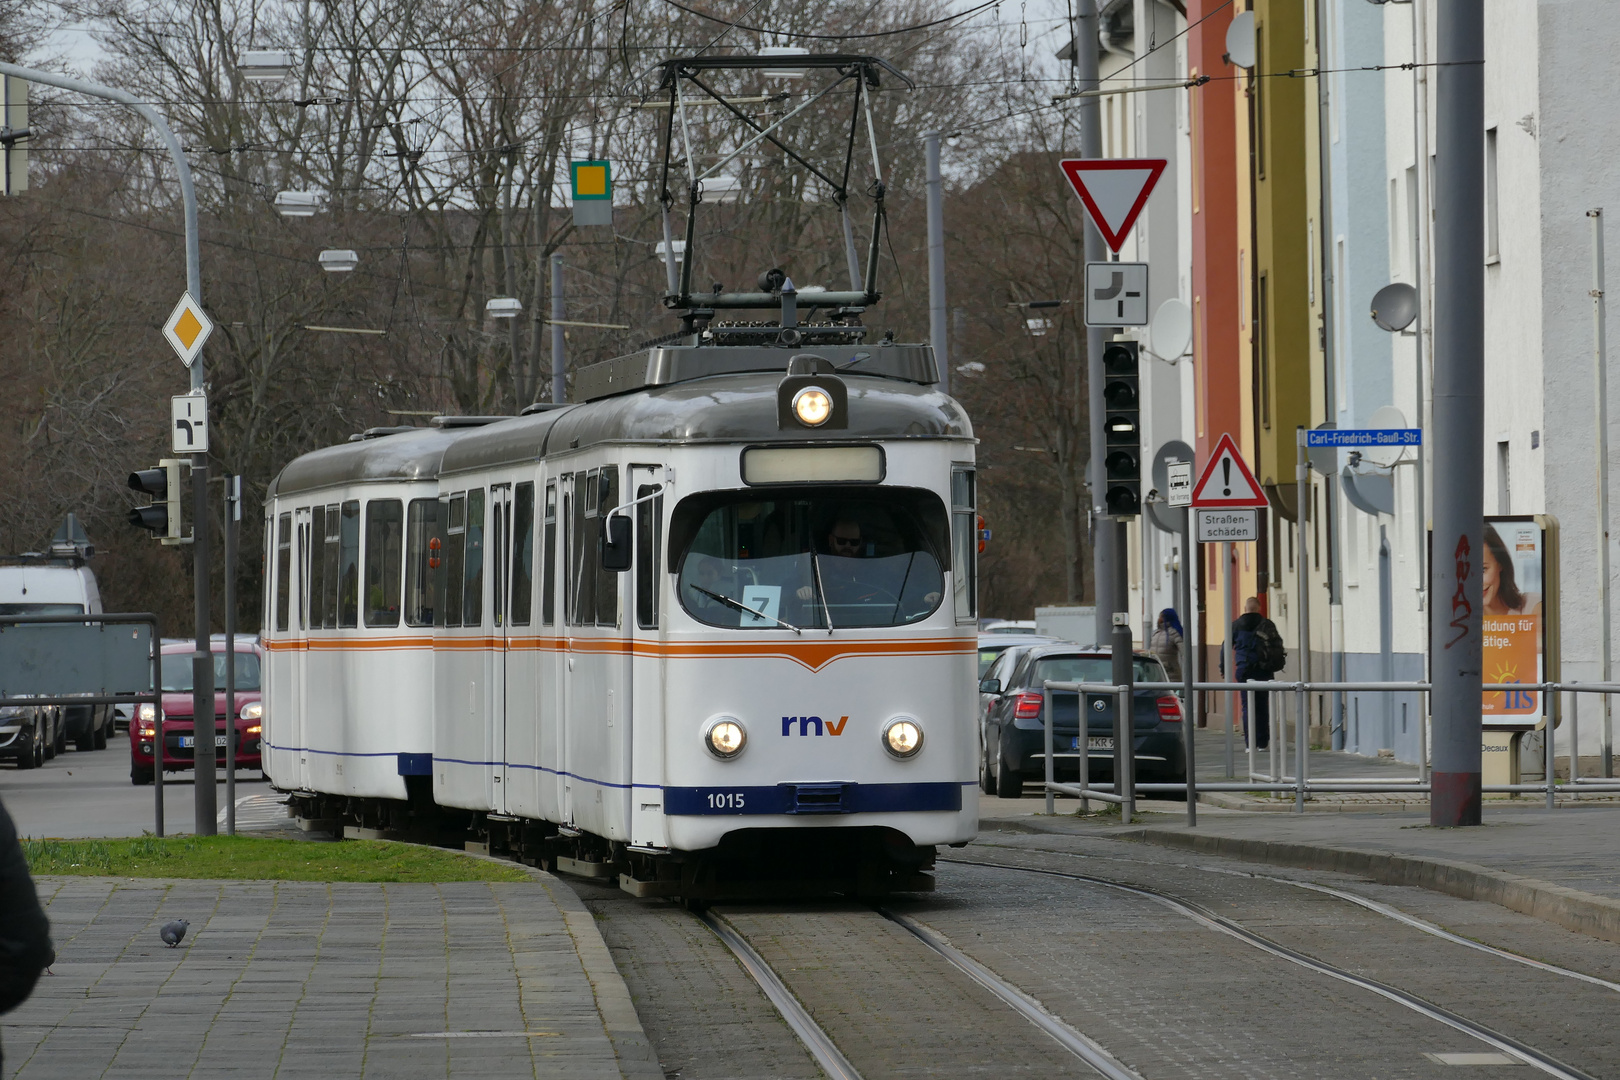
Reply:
x=303, y=979
x=1172, y=998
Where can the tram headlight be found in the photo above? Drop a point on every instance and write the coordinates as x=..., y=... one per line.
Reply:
x=813, y=406
x=725, y=737
x=902, y=737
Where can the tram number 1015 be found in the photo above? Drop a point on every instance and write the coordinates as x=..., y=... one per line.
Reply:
x=726, y=800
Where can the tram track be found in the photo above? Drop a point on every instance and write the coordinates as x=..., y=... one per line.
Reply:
x=804, y=959
x=1215, y=922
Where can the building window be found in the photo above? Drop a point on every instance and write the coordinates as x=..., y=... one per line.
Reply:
x=1504, y=480
x=1493, y=249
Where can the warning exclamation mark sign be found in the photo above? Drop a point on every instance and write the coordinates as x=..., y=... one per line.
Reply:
x=1226, y=476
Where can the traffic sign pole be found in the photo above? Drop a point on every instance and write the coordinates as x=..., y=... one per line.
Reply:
x=1104, y=552
x=203, y=693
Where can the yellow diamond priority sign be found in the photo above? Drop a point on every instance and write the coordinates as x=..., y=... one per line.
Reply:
x=187, y=328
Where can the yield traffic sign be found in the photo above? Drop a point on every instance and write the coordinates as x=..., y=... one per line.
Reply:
x=1227, y=483
x=187, y=328
x=1114, y=190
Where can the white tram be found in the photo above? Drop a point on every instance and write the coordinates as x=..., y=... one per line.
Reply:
x=673, y=620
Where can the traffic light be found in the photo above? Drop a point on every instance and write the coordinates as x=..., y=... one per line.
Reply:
x=162, y=518
x=1122, y=440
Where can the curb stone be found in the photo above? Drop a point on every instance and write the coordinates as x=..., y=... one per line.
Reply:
x=637, y=1058
x=1583, y=912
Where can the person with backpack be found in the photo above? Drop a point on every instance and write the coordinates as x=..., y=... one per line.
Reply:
x=25, y=932
x=1259, y=652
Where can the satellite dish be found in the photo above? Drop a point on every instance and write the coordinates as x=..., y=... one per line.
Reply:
x=1324, y=459
x=1387, y=417
x=1395, y=306
x=1170, y=332
x=1240, y=40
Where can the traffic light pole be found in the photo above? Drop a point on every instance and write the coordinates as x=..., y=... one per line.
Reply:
x=1455, y=642
x=202, y=659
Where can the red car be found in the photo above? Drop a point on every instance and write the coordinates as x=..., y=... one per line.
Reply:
x=178, y=737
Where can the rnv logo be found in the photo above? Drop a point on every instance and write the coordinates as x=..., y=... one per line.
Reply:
x=805, y=723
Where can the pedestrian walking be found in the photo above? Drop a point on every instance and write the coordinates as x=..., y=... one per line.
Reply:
x=25, y=932
x=1259, y=653
x=1166, y=643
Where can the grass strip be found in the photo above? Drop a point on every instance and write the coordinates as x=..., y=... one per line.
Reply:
x=259, y=859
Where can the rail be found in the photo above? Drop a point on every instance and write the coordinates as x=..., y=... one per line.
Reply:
x=1301, y=785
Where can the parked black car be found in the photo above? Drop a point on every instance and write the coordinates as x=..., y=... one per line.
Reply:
x=1012, y=739
x=26, y=734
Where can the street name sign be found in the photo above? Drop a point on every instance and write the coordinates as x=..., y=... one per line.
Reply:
x=1227, y=483
x=1116, y=294
x=1360, y=438
x=1226, y=526
x=187, y=328
x=189, y=432
x=1181, y=482
x=1114, y=191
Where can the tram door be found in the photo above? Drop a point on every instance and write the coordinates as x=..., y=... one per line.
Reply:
x=645, y=670
x=500, y=529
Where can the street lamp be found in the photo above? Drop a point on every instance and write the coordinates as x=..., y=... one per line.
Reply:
x=298, y=203
x=266, y=65
x=504, y=307
x=678, y=246
x=339, y=260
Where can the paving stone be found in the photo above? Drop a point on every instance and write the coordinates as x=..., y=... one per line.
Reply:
x=302, y=979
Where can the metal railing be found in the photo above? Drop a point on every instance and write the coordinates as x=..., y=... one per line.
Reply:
x=1301, y=785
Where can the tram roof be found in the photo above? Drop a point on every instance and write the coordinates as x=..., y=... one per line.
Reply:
x=722, y=408
x=407, y=455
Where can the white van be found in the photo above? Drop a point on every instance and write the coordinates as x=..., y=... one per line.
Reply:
x=46, y=585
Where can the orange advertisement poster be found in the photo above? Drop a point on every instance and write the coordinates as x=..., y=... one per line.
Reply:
x=1511, y=587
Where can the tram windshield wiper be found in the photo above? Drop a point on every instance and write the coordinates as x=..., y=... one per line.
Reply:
x=740, y=606
x=821, y=591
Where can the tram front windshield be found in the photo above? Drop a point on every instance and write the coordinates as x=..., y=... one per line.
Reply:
x=831, y=558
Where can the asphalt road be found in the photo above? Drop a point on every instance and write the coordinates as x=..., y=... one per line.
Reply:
x=88, y=793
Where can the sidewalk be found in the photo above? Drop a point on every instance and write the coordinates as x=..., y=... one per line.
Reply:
x=306, y=979
x=1557, y=865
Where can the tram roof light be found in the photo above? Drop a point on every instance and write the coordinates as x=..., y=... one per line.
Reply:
x=266, y=65
x=504, y=307
x=339, y=260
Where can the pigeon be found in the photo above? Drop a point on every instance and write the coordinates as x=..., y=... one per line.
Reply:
x=173, y=933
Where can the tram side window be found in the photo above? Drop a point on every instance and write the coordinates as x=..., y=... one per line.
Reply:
x=349, y=564
x=965, y=541
x=582, y=539
x=419, y=576
x=522, y=554
x=649, y=542
x=283, y=569
x=607, y=582
x=329, y=568
x=455, y=557
x=385, y=534
x=305, y=563
x=472, y=608
x=548, y=559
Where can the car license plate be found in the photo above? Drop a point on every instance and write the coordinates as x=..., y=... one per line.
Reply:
x=1099, y=744
x=188, y=740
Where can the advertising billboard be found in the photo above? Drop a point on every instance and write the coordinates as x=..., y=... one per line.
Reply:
x=1518, y=565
